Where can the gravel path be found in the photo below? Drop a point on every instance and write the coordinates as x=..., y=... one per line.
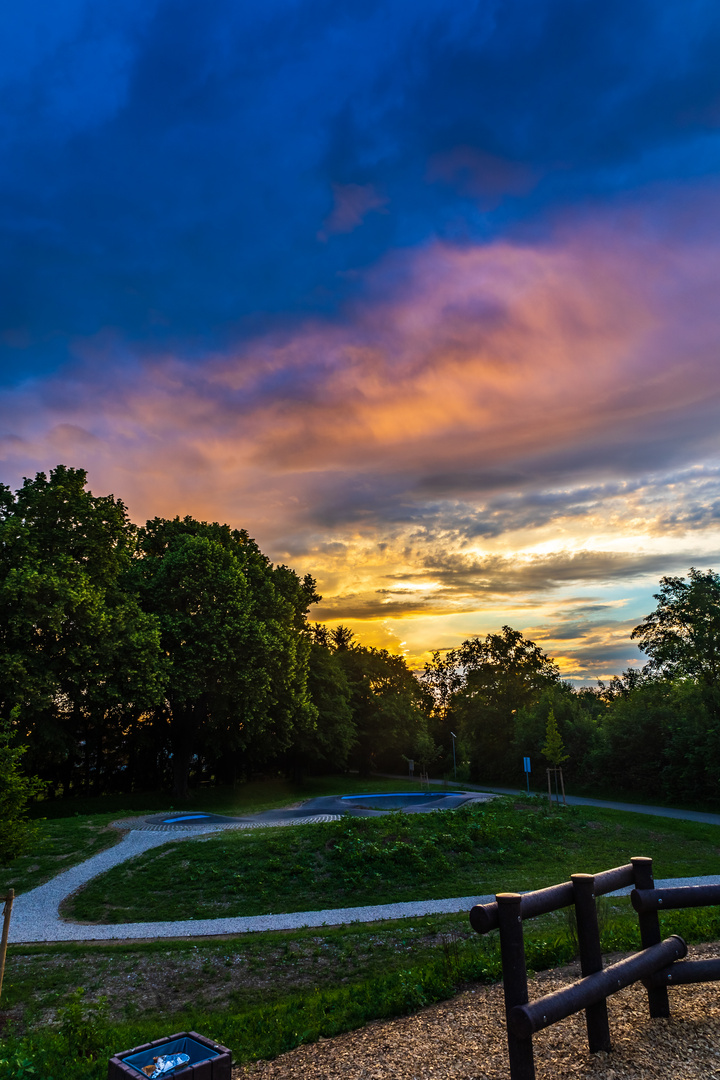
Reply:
x=36, y=917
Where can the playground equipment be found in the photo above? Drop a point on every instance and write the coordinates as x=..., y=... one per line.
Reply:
x=659, y=964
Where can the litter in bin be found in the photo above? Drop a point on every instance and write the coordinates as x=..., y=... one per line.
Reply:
x=163, y=1066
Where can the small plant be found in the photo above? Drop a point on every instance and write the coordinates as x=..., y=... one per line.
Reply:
x=83, y=1024
x=19, y=1068
x=451, y=958
x=604, y=913
x=16, y=791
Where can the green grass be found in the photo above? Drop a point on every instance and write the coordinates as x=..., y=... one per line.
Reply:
x=58, y=845
x=477, y=849
x=264, y=994
x=68, y=832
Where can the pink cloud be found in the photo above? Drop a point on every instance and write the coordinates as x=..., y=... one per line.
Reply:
x=351, y=204
x=463, y=370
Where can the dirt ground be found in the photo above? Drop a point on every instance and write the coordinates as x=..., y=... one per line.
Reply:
x=464, y=1039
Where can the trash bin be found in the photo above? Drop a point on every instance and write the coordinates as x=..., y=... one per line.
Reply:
x=208, y=1060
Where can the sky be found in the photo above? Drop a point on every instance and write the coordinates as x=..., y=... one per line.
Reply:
x=422, y=293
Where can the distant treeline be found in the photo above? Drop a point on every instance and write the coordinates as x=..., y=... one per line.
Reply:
x=654, y=732
x=163, y=656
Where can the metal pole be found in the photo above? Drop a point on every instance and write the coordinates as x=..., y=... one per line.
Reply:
x=512, y=951
x=5, y=931
x=650, y=934
x=588, y=931
x=454, y=765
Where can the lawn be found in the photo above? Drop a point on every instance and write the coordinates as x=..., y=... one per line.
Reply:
x=480, y=848
x=68, y=832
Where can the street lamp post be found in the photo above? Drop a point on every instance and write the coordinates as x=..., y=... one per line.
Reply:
x=454, y=736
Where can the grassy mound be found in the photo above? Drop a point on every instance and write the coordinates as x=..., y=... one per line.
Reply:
x=476, y=849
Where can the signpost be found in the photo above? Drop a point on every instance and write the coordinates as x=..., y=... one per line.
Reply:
x=528, y=770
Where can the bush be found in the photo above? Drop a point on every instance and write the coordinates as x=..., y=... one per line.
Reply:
x=16, y=790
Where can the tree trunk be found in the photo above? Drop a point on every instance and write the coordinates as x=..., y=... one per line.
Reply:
x=181, y=734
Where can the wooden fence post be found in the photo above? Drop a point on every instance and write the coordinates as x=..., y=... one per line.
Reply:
x=5, y=931
x=515, y=987
x=588, y=931
x=650, y=934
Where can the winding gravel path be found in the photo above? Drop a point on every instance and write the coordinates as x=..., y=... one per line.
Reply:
x=36, y=916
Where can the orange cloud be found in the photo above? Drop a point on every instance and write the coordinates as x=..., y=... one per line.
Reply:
x=478, y=401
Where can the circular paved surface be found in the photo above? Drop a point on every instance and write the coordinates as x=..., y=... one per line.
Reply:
x=326, y=808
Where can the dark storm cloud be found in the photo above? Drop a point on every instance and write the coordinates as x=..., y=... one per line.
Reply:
x=189, y=174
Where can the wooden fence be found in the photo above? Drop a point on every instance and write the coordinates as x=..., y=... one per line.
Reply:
x=659, y=964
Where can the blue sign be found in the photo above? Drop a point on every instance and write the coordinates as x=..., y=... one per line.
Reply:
x=526, y=764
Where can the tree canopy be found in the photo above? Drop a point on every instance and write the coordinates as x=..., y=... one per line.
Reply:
x=232, y=632
x=77, y=653
x=177, y=652
x=480, y=687
x=682, y=635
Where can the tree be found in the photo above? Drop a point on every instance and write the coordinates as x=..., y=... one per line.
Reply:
x=16, y=790
x=389, y=707
x=483, y=684
x=79, y=659
x=325, y=743
x=576, y=714
x=553, y=748
x=660, y=740
x=233, y=632
x=682, y=635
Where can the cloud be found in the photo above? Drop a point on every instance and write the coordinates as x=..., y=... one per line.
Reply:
x=487, y=428
x=475, y=388
x=351, y=204
x=168, y=166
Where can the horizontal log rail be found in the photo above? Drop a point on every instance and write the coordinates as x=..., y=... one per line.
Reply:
x=685, y=972
x=682, y=896
x=484, y=917
x=526, y=1020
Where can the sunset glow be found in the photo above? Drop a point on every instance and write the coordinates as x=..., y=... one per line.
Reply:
x=423, y=297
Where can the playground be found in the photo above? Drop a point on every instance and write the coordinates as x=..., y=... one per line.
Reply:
x=343, y=967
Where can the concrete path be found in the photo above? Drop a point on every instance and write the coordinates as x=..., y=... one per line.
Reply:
x=633, y=808
x=577, y=800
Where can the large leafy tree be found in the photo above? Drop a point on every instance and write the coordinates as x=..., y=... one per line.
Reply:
x=682, y=635
x=390, y=708
x=233, y=631
x=79, y=659
x=479, y=688
x=324, y=744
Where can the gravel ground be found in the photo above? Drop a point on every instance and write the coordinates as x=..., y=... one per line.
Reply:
x=465, y=1039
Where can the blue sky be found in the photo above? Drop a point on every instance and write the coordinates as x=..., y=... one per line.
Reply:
x=423, y=295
